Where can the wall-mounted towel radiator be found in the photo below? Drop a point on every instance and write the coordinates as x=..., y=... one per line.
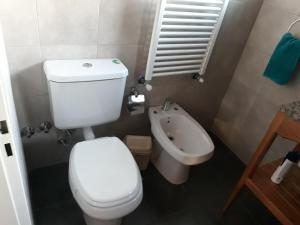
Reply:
x=183, y=36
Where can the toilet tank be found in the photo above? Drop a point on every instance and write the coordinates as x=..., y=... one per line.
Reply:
x=85, y=92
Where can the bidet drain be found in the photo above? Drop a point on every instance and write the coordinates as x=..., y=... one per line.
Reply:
x=171, y=138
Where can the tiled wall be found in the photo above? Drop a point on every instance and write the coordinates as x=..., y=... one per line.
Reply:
x=36, y=30
x=252, y=100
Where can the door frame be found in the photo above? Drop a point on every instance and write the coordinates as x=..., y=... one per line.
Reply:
x=12, y=161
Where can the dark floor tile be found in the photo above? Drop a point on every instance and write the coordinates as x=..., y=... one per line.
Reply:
x=143, y=215
x=163, y=197
x=64, y=213
x=198, y=201
x=182, y=218
x=256, y=208
x=49, y=185
x=237, y=214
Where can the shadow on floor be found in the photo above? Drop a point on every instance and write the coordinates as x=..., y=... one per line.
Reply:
x=197, y=202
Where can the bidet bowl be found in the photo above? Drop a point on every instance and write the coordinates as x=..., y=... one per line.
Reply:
x=180, y=142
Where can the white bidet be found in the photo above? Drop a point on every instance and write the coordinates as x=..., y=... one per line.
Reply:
x=180, y=142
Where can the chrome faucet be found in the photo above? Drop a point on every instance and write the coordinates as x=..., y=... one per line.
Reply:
x=167, y=105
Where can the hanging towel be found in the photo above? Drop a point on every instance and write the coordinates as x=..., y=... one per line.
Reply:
x=284, y=59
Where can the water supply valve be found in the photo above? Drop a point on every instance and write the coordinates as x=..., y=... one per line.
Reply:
x=45, y=126
x=197, y=76
x=27, y=131
x=142, y=80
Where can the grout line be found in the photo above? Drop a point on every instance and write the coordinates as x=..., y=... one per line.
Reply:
x=23, y=46
x=134, y=44
x=98, y=29
x=38, y=28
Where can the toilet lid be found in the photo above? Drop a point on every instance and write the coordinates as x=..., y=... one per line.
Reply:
x=104, y=171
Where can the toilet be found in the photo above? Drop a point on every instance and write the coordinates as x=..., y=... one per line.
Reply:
x=104, y=178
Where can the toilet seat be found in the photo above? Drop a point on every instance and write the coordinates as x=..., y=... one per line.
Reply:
x=104, y=178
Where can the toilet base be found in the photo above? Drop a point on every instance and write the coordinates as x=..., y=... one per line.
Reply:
x=93, y=221
x=174, y=171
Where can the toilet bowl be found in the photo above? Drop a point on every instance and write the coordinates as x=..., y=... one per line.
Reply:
x=105, y=180
x=180, y=142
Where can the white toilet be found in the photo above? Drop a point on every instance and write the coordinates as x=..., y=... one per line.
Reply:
x=103, y=176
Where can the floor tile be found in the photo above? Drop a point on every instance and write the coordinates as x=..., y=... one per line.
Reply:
x=198, y=201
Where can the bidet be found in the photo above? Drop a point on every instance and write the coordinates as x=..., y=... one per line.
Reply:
x=180, y=142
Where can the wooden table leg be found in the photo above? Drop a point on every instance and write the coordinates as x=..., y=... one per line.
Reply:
x=258, y=156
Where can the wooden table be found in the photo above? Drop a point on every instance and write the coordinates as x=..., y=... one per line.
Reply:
x=282, y=200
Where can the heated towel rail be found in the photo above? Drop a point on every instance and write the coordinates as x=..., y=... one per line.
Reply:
x=183, y=36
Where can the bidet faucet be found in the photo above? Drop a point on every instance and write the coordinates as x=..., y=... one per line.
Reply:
x=167, y=105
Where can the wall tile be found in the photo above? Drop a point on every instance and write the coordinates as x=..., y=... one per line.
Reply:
x=241, y=146
x=117, y=28
x=64, y=22
x=69, y=52
x=256, y=124
x=42, y=150
x=38, y=109
x=128, y=125
x=251, y=67
x=26, y=71
x=279, y=149
x=242, y=130
x=247, y=134
x=224, y=57
x=19, y=26
x=234, y=109
x=292, y=6
x=213, y=87
x=282, y=94
x=121, y=21
x=32, y=110
x=126, y=53
x=142, y=58
x=234, y=29
x=270, y=25
x=259, y=117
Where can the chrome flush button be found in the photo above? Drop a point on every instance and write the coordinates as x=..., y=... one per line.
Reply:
x=87, y=65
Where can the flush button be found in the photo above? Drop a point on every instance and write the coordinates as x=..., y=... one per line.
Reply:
x=87, y=65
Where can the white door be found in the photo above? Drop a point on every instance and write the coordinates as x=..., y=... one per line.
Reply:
x=15, y=208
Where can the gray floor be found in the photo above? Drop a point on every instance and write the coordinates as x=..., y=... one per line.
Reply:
x=197, y=202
